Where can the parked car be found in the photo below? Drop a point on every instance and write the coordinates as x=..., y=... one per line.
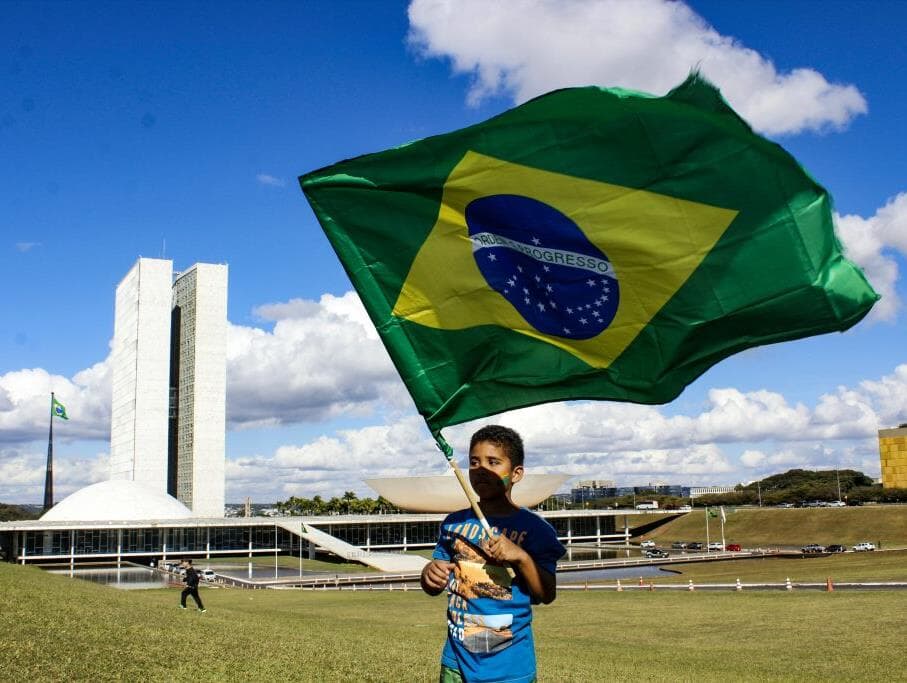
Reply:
x=685, y=508
x=694, y=546
x=655, y=553
x=864, y=546
x=813, y=548
x=716, y=545
x=679, y=545
x=208, y=574
x=647, y=544
x=835, y=548
x=733, y=547
x=836, y=504
x=786, y=505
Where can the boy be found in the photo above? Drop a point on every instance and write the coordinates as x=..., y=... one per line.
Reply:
x=489, y=614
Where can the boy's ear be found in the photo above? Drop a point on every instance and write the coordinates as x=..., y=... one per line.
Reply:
x=516, y=474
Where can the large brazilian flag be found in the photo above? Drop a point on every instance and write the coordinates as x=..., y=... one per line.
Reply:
x=589, y=244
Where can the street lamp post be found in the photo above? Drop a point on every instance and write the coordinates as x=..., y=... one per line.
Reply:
x=707, y=528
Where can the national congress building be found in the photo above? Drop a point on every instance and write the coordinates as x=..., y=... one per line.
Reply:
x=169, y=382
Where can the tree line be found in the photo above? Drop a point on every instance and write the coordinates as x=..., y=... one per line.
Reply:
x=347, y=504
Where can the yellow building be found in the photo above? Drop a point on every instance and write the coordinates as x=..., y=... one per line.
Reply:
x=893, y=453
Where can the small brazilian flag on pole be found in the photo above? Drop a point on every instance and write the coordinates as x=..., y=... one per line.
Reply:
x=57, y=409
x=589, y=244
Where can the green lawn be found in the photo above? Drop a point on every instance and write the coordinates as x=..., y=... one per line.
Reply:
x=765, y=527
x=53, y=628
x=878, y=566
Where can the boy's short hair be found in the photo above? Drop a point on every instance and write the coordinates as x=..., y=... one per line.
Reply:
x=503, y=437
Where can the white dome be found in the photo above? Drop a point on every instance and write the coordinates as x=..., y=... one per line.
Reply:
x=116, y=500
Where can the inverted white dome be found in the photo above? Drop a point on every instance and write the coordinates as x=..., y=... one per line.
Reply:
x=116, y=500
x=443, y=493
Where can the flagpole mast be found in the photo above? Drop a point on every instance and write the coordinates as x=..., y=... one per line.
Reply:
x=49, y=474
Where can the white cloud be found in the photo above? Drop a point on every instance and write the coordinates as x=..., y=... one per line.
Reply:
x=628, y=443
x=273, y=181
x=871, y=243
x=329, y=465
x=523, y=48
x=321, y=360
x=25, y=404
x=24, y=247
x=22, y=474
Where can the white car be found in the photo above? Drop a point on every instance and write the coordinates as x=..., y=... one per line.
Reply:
x=208, y=574
x=716, y=545
x=647, y=544
x=865, y=545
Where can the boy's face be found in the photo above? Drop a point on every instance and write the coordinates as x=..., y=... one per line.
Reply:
x=490, y=470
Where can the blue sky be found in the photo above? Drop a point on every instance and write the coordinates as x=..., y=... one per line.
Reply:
x=150, y=129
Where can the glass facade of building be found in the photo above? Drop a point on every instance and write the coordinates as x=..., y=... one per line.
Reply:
x=27, y=542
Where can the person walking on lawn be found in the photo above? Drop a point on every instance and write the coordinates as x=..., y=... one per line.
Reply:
x=191, y=587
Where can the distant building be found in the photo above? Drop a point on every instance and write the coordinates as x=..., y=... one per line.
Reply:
x=696, y=491
x=590, y=489
x=893, y=456
x=168, y=415
x=596, y=488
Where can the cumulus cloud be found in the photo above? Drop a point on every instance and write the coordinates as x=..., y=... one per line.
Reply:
x=25, y=404
x=329, y=465
x=273, y=181
x=872, y=243
x=628, y=443
x=22, y=473
x=523, y=48
x=321, y=360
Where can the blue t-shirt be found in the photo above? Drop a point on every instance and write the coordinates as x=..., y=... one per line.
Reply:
x=489, y=616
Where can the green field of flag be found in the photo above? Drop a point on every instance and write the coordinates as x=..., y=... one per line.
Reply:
x=57, y=409
x=589, y=244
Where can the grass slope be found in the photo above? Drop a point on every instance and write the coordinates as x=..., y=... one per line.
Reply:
x=54, y=628
x=851, y=567
x=765, y=527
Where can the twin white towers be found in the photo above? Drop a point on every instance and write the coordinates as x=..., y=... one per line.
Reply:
x=169, y=382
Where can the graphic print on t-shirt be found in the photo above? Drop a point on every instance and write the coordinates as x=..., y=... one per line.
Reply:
x=487, y=633
x=475, y=577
